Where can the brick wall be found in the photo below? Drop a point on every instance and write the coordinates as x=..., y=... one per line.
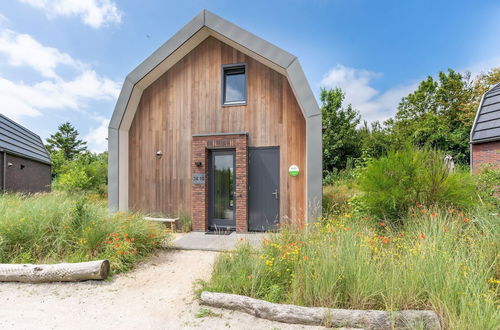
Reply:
x=25, y=175
x=485, y=153
x=200, y=149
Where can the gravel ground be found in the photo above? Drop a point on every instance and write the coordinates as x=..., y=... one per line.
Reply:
x=158, y=294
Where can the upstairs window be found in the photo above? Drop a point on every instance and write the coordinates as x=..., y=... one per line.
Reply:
x=234, y=84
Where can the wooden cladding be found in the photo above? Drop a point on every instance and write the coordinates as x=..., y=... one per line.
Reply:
x=186, y=101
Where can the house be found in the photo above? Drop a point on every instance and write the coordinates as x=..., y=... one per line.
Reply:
x=220, y=125
x=485, y=133
x=24, y=161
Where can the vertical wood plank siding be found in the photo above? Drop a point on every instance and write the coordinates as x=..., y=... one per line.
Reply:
x=186, y=100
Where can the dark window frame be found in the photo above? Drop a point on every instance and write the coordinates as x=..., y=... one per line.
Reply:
x=227, y=67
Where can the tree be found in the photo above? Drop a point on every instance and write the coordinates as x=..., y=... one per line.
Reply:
x=432, y=115
x=66, y=141
x=341, y=139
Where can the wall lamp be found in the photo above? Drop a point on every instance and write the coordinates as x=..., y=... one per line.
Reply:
x=197, y=164
x=159, y=154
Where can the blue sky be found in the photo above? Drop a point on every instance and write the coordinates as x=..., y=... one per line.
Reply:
x=65, y=60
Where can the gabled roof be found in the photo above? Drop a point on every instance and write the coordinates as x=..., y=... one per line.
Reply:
x=207, y=24
x=486, y=125
x=17, y=140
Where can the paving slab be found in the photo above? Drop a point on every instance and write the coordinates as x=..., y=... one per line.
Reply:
x=206, y=242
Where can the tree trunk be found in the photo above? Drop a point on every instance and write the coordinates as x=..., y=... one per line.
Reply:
x=365, y=319
x=81, y=271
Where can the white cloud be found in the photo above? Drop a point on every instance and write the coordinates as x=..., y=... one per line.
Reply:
x=3, y=19
x=95, y=13
x=20, y=99
x=371, y=103
x=96, y=139
x=482, y=66
x=23, y=50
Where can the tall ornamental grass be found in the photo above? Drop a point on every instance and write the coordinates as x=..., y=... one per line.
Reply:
x=63, y=227
x=441, y=260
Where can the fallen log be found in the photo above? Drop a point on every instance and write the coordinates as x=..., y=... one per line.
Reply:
x=65, y=272
x=366, y=319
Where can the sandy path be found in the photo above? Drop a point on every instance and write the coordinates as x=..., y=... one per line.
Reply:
x=156, y=295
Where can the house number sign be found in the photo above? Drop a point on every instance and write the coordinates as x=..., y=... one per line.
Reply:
x=198, y=178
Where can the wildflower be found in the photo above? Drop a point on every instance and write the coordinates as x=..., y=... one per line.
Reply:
x=152, y=235
x=450, y=210
x=466, y=219
x=306, y=257
x=433, y=215
x=120, y=252
x=135, y=252
x=383, y=224
x=386, y=240
x=424, y=211
x=461, y=214
x=422, y=236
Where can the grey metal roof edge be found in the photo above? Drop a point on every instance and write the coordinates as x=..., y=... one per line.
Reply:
x=10, y=152
x=478, y=141
x=233, y=32
x=474, y=124
x=248, y=40
x=44, y=157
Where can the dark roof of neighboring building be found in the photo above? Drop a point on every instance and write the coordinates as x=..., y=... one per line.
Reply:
x=16, y=139
x=486, y=126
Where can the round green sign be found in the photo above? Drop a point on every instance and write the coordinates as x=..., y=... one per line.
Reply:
x=293, y=170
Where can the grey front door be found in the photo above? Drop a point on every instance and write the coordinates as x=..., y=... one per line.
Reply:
x=263, y=188
x=221, y=180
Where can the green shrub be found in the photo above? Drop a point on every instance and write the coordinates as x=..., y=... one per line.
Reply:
x=336, y=198
x=393, y=184
x=488, y=186
x=88, y=172
x=58, y=227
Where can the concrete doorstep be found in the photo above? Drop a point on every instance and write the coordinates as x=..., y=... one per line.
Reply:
x=205, y=242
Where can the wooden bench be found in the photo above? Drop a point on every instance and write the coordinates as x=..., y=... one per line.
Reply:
x=171, y=221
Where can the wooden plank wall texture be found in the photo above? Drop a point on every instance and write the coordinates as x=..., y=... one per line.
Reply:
x=186, y=100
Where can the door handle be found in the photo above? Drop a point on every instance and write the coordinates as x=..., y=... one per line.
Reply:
x=275, y=193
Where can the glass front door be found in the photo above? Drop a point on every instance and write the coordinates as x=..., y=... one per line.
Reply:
x=222, y=190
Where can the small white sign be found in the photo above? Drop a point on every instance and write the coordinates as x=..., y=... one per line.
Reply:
x=293, y=170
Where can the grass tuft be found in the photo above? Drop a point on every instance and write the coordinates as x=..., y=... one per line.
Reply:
x=63, y=227
x=441, y=260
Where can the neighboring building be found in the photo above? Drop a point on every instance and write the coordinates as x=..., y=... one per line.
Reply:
x=485, y=133
x=24, y=161
x=209, y=126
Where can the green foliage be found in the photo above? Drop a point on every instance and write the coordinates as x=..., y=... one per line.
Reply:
x=393, y=184
x=431, y=115
x=341, y=139
x=63, y=227
x=442, y=261
x=88, y=172
x=205, y=312
x=337, y=198
x=488, y=186
x=66, y=140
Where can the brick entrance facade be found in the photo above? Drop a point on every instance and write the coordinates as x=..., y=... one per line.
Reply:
x=485, y=153
x=200, y=149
